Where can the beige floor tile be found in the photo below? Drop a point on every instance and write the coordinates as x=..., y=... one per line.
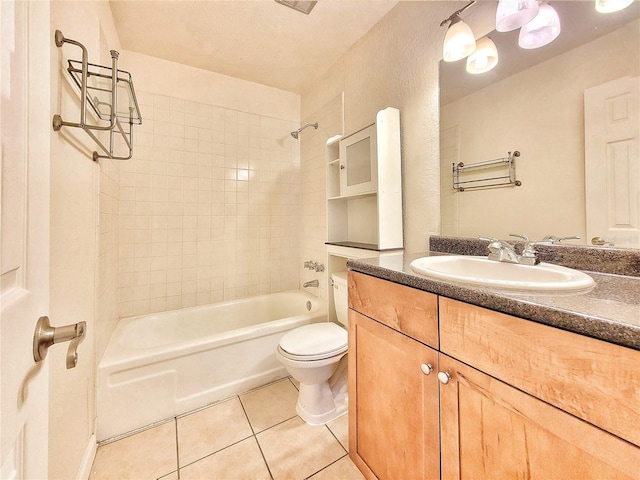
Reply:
x=295, y=450
x=340, y=428
x=343, y=469
x=207, y=431
x=270, y=405
x=242, y=461
x=146, y=455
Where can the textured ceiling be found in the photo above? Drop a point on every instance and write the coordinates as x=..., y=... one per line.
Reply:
x=257, y=40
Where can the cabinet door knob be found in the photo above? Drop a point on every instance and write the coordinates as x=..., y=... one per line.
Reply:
x=426, y=368
x=444, y=377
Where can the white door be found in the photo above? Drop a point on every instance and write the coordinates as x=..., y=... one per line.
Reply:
x=24, y=236
x=612, y=162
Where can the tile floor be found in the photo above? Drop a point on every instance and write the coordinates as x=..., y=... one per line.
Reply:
x=256, y=435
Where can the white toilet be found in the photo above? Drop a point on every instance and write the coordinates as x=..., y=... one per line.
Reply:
x=316, y=356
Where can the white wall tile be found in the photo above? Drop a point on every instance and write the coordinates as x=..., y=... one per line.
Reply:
x=210, y=194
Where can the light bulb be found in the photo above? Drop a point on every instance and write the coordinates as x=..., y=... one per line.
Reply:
x=512, y=14
x=608, y=6
x=542, y=30
x=459, y=41
x=484, y=58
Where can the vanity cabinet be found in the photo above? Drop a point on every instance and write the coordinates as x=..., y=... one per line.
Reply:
x=393, y=388
x=507, y=398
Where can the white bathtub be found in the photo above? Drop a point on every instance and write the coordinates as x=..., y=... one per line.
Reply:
x=160, y=365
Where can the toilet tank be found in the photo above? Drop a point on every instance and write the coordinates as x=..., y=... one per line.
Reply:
x=340, y=297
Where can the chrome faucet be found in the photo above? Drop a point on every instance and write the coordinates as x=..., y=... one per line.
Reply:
x=504, y=252
x=501, y=251
x=311, y=283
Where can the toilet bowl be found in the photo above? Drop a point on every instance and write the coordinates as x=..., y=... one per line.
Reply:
x=316, y=356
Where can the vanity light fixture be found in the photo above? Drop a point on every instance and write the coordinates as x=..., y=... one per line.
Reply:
x=459, y=40
x=542, y=30
x=608, y=6
x=484, y=58
x=513, y=14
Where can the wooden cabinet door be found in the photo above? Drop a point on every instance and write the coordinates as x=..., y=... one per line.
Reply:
x=492, y=430
x=393, y=404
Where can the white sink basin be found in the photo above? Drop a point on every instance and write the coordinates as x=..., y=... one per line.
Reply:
x=481, y=271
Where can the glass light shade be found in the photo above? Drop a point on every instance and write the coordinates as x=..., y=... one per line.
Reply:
x=608, y=6
x=513, y=14
x=542, y=30
x=484, y=58
x=459, y=41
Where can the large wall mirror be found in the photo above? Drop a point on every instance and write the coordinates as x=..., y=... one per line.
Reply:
x=573, y=182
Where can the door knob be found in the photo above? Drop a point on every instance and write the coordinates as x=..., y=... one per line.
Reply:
x=45, y=335
x=601, y=242
x=444, y=377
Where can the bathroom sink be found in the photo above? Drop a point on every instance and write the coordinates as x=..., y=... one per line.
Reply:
x=481, y=271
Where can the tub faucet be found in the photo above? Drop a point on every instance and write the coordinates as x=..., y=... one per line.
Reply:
x=311, y=283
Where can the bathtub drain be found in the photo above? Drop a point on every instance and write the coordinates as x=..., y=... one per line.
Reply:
x=308, y=305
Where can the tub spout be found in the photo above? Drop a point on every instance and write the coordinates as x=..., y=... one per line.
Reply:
x=312, y=283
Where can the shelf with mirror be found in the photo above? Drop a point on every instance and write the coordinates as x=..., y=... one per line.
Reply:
x=364, y=186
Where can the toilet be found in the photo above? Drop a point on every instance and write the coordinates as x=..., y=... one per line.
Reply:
x=316, y=356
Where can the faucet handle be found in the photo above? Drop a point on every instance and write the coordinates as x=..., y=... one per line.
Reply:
x=558, y=240
x=523, y=237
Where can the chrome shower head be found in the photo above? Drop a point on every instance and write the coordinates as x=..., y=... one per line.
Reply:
x=295, y=133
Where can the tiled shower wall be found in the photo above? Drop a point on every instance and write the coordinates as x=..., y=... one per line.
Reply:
x=209, y=207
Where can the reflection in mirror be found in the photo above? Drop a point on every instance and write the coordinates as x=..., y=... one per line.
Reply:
x=540, y=102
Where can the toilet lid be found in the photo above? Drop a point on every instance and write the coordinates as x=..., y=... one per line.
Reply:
x=315, y=339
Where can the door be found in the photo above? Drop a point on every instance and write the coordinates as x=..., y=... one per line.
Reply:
x=393, y=403
x=612, y=162
x=492, y=430
x=24, y=237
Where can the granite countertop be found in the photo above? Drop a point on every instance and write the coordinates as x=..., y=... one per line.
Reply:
x=609, y=312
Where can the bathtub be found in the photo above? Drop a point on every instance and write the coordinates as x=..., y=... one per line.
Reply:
x=160, y=365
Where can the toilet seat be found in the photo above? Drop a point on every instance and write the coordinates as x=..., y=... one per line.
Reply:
x=315, y=341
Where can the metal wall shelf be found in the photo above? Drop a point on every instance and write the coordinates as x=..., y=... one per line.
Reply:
x=102, y=90
x=487, y=174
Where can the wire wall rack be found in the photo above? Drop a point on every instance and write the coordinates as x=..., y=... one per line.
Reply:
x=500, y=172
x=101, y=90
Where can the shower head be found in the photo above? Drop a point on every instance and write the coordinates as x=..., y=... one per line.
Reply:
x=295, y=133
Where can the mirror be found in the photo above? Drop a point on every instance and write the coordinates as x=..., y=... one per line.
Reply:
x=534, y=102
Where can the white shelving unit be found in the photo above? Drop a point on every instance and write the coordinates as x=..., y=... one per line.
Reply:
x=364, y=194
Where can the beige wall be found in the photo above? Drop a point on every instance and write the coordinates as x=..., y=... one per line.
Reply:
x=82, y=283
x=540, y=113
x=396, y=64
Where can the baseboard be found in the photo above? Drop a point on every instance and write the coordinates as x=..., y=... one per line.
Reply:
x=87, y=460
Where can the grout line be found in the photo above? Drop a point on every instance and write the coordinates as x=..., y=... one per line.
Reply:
x=326, y=466
x=293, y=383
x=247, y=416
x=263, y=457
x=122, y=436
x=175, y=422
x=337, y=439
x=218, y=451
